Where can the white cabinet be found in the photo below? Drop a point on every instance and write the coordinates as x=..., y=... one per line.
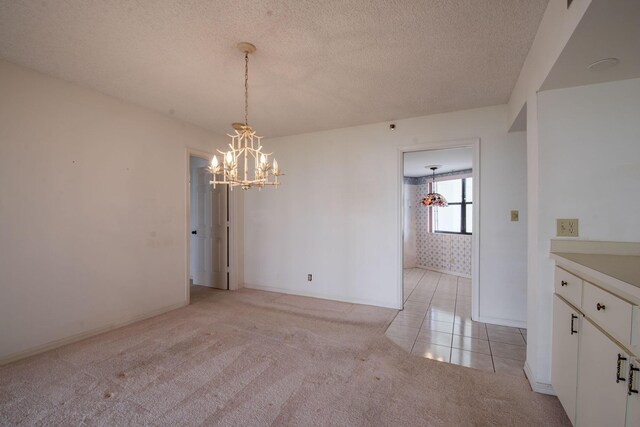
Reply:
x=603, y=374
x=633, y=392
x=595, y=365
x=568, y=286
x=564, y=373
x=612, y=313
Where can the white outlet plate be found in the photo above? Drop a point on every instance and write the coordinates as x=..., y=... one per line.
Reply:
x=567, y=227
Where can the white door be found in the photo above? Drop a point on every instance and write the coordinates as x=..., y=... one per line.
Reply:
x=564, y=371
x=602, y=394
x=208, y=242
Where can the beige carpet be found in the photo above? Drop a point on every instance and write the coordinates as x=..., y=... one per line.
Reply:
x=253, y=358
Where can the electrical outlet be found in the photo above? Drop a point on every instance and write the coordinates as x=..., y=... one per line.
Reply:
x=515, y=216
x=567, y=227
x=309, y=277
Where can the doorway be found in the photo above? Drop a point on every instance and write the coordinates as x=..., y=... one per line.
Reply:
x=441, y=304
x=438, y=238
x=426, y=235
x=438, y=212
x=208, y=226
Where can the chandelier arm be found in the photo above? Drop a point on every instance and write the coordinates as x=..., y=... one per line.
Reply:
x=246, y=166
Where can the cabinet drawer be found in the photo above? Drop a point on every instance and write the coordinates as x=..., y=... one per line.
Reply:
x=613, y=314
x=569, y=287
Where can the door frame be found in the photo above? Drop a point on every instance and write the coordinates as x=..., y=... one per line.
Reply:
x=474, y=144
x=234, y=235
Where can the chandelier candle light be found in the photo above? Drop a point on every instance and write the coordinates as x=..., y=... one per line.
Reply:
x=246, y=149
x=433, y=198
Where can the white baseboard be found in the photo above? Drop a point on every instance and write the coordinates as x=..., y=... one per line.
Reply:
x=537, y=386
x=87, y=334
x=320, y=296
x=502, y=322
x=453, y=273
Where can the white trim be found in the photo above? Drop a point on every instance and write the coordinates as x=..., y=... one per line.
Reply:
x=400, y=224
x=536, y=386
x=475, y=237
x=475, y=240
x=286, y=291
x=502, y=322
x=87, y=334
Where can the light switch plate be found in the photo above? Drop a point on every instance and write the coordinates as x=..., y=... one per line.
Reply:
x=567, y=227
x=515, y=216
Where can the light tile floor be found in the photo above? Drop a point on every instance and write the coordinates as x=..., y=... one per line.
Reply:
x=436, y=324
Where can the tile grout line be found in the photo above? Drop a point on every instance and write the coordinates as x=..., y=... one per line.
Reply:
x=455, y=307
x=414, y=288
x=423, y=317
x=493, y=363
x=426, y=311
x=403, y=302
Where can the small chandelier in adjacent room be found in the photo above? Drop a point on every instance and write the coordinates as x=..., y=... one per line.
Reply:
x=245, y=149
x=433, y=198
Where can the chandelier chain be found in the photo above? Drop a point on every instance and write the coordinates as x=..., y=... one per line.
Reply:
x=246, y=88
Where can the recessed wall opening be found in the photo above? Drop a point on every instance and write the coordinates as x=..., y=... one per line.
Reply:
x=208, y=220
x=440, y=235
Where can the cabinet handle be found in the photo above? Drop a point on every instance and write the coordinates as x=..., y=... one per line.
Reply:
x=600, y=306
x=632, y=369
x=563, y=283
x=618, y=377
x=573, y=317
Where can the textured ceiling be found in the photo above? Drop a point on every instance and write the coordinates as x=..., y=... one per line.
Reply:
x=609, y=29
x=319, y=64
x=447, y=160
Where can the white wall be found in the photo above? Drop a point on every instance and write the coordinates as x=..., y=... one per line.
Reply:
x=336, y=214
x=410, y=226
x=92, y=210
x=590, y=155
x=588, y=162
x=556, y=27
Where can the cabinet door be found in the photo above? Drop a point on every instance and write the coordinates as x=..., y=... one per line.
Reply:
x=564, y=368
x=633, y=402
x=602, y=394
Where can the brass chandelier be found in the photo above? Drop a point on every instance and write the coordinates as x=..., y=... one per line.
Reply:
x=245, y=149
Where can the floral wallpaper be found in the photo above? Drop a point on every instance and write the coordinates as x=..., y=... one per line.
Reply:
x=446, y=252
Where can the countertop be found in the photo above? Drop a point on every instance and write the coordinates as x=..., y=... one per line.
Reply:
x=625, y=268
